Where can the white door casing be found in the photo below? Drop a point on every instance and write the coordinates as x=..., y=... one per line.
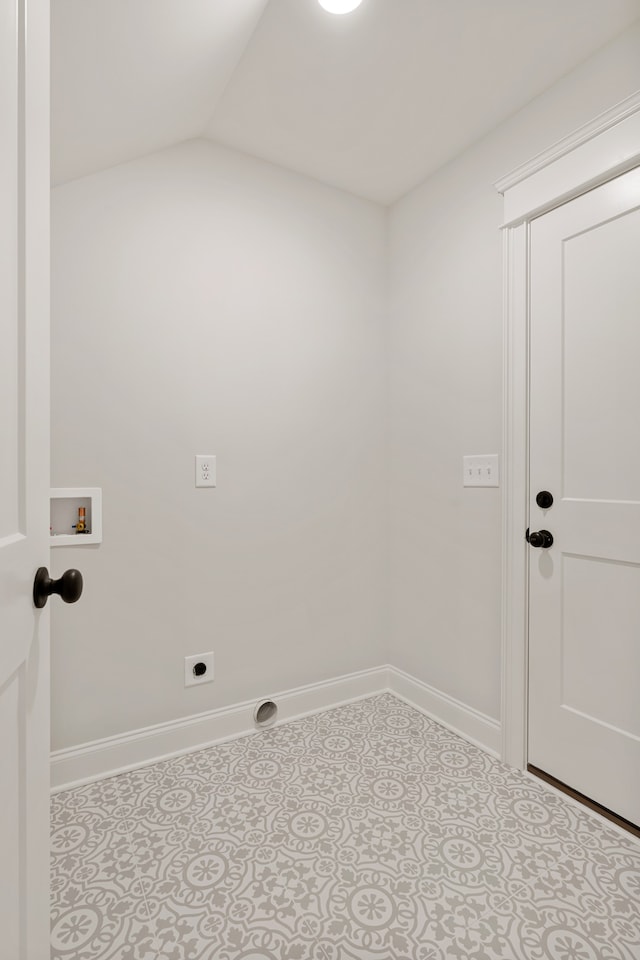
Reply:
x=584, y=592
x=24, y=478
x=596, y=153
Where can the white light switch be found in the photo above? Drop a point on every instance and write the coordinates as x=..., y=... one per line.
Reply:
x=205, y=470
x=481, y=471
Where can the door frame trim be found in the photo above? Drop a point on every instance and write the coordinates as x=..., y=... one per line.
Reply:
x=600, y=150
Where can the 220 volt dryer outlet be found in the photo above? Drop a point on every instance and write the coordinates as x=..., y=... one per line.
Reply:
x=198, y=669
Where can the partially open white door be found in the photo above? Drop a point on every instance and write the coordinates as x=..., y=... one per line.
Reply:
x=584, y=636
x=24, y=478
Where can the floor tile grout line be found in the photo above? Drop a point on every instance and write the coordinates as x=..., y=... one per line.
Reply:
x=529, y=885
x=132, y=849
x=526, y=885
x=511, y=897
x=633, y=849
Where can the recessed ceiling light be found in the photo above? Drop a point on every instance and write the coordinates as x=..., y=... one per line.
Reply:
x=339, y=6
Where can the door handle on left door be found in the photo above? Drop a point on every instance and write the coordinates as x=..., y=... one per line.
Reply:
x=540, y=538
x=69, y=586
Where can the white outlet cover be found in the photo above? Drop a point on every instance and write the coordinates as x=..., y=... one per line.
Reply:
x=205, y=470
x=190, y=679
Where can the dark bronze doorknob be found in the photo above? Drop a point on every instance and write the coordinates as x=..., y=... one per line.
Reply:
x=69, y=586
x=541, y=538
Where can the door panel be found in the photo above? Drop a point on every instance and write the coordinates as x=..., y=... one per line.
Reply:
x=24, y=479
x=584, y=627
x=601, y=599
x=601, y=388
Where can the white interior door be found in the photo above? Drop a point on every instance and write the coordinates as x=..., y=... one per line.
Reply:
x=584, y=629
x=24, y=478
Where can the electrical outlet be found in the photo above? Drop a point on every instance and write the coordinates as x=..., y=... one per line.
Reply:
x=198, y=669
x=481, y=471
x=205, y=470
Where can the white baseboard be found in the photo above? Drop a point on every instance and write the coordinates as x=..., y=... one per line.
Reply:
x=87, y=762
x=468, y=723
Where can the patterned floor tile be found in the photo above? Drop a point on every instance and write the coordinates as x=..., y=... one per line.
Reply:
x=364, y=833
x=599, y=895
x=95, y=923
x=90, y=841
x=546, y=927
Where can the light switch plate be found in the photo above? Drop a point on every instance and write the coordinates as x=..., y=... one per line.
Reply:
x=481, y=471
x=205, y=470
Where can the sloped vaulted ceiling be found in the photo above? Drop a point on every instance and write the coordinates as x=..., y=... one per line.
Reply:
x=132, y=76
x=371, y=102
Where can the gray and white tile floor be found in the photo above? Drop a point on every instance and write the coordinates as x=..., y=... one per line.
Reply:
x=364, y=833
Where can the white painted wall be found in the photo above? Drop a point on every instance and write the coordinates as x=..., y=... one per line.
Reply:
x=446, y=356
x=208, y=302
x=205, y=302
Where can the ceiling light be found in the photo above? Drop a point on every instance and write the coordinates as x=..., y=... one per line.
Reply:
x=339, y=6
